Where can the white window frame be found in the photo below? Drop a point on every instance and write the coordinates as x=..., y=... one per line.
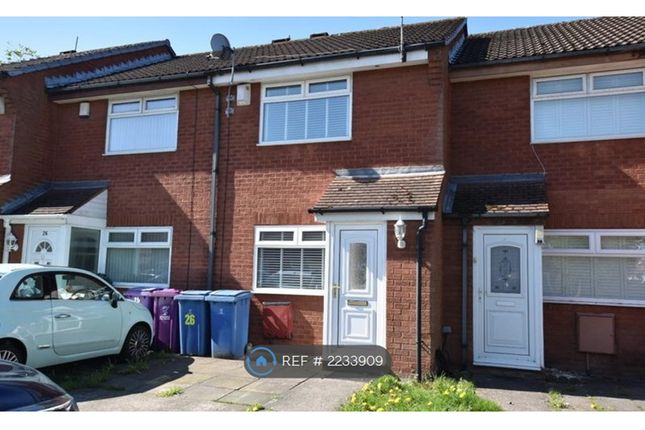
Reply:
x=140, y=113
x=296, y=243
x=594, y=251
x=587, y=91
x=136, y=244
x=306, y=95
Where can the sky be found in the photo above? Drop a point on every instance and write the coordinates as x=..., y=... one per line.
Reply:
x=51, y=35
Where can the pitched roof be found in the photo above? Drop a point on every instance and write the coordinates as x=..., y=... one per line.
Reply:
x=552, y=40
x=357, y=43
x=497, y=195
x=381, y=190
x=63, y=59
x=54, y=199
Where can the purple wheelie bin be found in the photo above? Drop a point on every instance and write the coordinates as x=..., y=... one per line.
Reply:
x=166, y=319
x=143, y=296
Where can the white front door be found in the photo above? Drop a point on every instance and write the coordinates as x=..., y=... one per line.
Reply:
x=356, y=300
x=44, y=245
x=508, y=298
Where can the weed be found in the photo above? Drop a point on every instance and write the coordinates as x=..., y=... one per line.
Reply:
x=255, y=408
x=556, y=401
x=388, y=393
x=594, y=405
x=170, y=392
x=93, y=379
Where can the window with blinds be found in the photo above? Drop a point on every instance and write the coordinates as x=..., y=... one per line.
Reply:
x=290, y=258
x=594, y=266
x=307, y=111
x=589, y=107
x=138, y=257
x=142, y=125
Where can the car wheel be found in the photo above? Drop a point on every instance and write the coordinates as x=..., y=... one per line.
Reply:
x=12, y=352
x=137, y=344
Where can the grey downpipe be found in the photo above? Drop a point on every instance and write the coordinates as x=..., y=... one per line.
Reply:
x=212, y=237
x=419, y=243
x=464, y=293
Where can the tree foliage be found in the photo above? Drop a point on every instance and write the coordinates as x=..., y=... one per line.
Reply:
x=17, y=53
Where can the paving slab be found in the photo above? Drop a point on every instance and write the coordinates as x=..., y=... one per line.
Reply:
x=247, y=397
x=529, y=391
x=273, y=385
x=316, y=395
x=208, y=384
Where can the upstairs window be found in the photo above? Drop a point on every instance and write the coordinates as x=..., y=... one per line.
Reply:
x=589, y=107
x=306, y=111
x=142, y=125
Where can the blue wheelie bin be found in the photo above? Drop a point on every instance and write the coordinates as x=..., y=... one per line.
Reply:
x=194, y=323
x=229, y=311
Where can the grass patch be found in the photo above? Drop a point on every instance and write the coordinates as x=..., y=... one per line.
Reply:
x=388, y=393
x=132, y=367
x=170, y=392
x=93, y=379
x=556, y=401
x=255, y=408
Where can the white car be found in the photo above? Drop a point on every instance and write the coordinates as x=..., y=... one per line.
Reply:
x=53, y=315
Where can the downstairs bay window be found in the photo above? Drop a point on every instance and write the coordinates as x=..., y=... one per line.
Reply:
x=608, y=105
x=138, y=256
x=594, y=267
x=306, y=112
x=289, y=260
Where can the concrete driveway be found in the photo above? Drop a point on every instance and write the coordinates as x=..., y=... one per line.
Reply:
x=209, y=384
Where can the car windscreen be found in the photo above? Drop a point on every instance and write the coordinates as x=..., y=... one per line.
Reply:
x=20, y=394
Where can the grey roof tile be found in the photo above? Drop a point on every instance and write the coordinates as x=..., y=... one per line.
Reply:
x=522, y=44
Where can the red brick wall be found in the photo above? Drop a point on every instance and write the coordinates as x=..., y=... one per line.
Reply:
x=162, y=189
x=561, y=339
x=596, y=184
x=397, y=120
x=28, y=140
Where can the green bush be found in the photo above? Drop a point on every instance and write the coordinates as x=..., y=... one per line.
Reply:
x=388, y=393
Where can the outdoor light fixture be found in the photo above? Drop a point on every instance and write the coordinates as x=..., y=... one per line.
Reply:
x=399, y=233
x=11, y=242
x=2, y=108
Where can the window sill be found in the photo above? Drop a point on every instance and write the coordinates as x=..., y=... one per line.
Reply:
x=288, y=292
x=155, y=151
x=304, y=142
x=587, y=139
x=595, y=302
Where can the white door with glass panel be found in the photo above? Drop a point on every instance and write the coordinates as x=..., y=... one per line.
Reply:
x=357, y=312
x=506, y=298
x=44, y=246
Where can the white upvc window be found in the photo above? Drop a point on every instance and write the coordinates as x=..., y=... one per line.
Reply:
x=142, y=125
x=289, y=259
x=137, y=257
x=310, y=111
x=604, y=267
x=594, y=106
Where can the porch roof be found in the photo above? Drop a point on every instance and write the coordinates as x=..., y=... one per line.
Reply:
x=54, y=198
x=383, y=189
x=497, y=196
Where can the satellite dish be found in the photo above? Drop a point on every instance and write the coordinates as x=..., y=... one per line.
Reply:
x=220, y=46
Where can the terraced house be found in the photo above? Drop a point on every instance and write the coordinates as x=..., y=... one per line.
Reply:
x=459, y=199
